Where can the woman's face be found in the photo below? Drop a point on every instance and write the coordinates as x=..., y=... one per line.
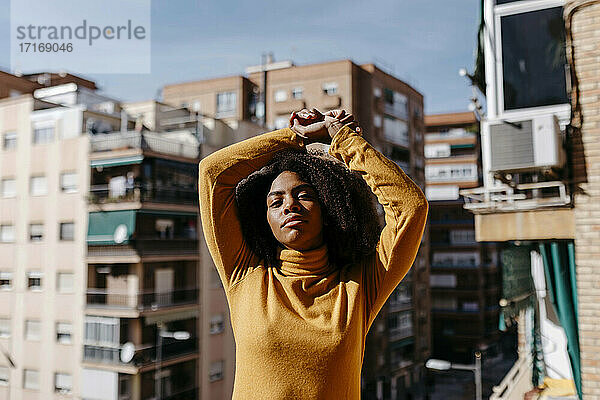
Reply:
x=294, y=213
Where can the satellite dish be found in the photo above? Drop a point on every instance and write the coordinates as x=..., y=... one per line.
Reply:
x=127, y=352
x=120, y=234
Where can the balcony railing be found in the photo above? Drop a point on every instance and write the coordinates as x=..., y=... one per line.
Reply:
x=146, y=247
x=144, y=141
x=400, y=333
x=145, y=354
x=173, y=195
x=523, y=197
x=141, y=301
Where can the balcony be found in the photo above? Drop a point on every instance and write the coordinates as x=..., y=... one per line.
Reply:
x=531, y=211
x=144, y=355
x=145, y=248
x=103, y=298
x=102, y=194
x=148, y=141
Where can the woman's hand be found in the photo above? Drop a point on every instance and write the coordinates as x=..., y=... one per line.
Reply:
x=326, y=127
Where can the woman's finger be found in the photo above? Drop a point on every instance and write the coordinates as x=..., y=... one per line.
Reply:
x=348, y=118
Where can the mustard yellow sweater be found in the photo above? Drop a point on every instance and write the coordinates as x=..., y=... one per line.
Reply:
x=300, y=329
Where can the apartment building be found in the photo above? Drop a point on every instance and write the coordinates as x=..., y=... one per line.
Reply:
x=465, y=276
x=142, y=310
x=391, y=115
x=99, y=278
x=539, y=195
x=43, y=220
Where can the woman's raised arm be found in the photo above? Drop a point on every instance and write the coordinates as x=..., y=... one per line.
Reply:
x=219, y=174
x=405, y=209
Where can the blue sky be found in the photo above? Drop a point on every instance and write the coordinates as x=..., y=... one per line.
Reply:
x=423, y=42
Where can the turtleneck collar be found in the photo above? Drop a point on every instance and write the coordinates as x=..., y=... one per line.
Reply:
x=299, y=263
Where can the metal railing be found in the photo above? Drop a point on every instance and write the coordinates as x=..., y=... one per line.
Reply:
x=146, y=247
x=143, y=141
x=145, y=354
x=141, y=301
x=523, y=197
x=165, y=194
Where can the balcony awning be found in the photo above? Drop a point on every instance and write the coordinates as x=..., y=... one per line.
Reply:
x=401, y=343
x=114, y=162
x=561, y=283
x=111, y=227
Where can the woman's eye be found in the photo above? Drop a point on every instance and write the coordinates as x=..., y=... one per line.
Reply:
x=305, y=196
x=275, y=203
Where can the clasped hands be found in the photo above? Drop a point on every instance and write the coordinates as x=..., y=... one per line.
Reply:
x=314, y=126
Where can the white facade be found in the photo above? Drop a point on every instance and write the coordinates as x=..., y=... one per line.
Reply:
x=44, y=258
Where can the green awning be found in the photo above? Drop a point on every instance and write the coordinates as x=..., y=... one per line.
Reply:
x=114, y=162
x=559, y=265
x=402, y=342
x=462, y=146
x=111, y=227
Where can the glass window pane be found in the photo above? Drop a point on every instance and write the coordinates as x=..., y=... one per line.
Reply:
x=9, y=188
x=38, y=186
x=32, y=330
x=36, y=232
x=68, y=182
x=43, y=135
x=7, y=233
x=67, y=231
x=10, y=140
x=4, y=327
x=63, y=383
x=31, y=379
x=533, y=55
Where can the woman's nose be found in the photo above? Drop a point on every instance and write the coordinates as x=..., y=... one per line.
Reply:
x=291, y=206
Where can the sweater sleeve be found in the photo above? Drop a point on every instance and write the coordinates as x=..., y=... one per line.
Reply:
x=405, y=208
x=219, y=174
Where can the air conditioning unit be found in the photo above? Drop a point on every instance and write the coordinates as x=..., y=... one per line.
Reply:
x=526, y=145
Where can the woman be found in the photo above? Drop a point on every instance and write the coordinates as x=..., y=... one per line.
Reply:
x=303, y=299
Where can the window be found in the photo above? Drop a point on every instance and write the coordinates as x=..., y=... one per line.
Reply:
x=10, y=140
x=4, y=376
x=63, y=332
x=64, y=282
x=63, y=383
x=5, y=280
x=395, y=131
x=281, y=122
x=9, y=188
x=377, y=120
x=36, y=232
x=226, y=103
x=32, y=330
x=67, y=231
x=68, y=182
x=396, y=104
x=280, y=95
x=4, y=327
x=330, y=88
x=216, y=371
x=7, y=233
x=216, y=324
x=297, y=92
x=43, y=135
x=102, y=331
x=533, y=59
x=31, y=379
x=38, y=186
x=34, y=280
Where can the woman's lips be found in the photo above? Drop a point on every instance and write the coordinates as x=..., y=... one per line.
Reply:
x=293, y=222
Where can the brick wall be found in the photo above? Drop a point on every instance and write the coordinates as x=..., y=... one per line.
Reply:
x=584, y=20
